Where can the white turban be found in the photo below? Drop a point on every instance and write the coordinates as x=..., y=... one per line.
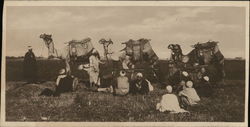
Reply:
x=122, y=73
x=185, y=73
x=62, y=71
x=169, y=89
x=206, y=78
x=189, y=84
x=139, y=75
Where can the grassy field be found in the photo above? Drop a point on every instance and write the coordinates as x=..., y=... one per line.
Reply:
x=23, y=103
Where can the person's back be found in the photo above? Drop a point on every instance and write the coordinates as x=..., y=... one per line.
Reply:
x=122, y=84
x=169, y=102
x=30, y=66
x=191, y=94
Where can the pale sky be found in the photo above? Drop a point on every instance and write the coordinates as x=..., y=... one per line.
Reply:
x=163, y=25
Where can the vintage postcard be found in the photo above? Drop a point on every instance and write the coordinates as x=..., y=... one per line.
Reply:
x=125, y=63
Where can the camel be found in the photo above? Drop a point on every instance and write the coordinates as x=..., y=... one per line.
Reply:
x=135, y=51
x=71, y=52
x=203, y=54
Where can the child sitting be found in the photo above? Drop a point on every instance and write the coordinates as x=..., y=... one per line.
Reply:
x=169, y=102
x=188, y=96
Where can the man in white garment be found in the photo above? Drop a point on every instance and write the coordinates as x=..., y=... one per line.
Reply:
x=169, y=102
x=188, y=95
x=94, y=70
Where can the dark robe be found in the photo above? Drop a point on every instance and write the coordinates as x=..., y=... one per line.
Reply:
x=141, y=89
x=30, y=67
x=65, y=85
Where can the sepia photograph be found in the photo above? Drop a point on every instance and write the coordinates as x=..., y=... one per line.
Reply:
x=125, y=63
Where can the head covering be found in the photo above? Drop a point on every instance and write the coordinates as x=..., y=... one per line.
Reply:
x=62, y=71
x=183, y=83
x=185, y=73
x=206, y=78
x=196, y=64
x=203, y=69
x=189, y=84
x=122, y=73
x=86, y=65
x=29, y=47
x=80, y=67
x=169, y=89
x=94, y=51
x=139, y=75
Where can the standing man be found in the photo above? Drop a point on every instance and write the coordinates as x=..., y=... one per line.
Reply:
x=94, y=61
x=30, y=66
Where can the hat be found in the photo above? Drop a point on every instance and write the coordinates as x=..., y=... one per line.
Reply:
x=62, y=71
x=169, y=89
x=189, y=84
x=139, y=75
x=29, y=47
x=196, y=64
x=185, y=73
x=80, y=67
x=182, y=82
x=206, y=78
x=122, y=73
x=203, y=69
x=94, y=51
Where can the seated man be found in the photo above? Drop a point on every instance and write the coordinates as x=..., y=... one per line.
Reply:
x=169, y=102
x=64, y=83
x=140, y=85
x=179, y=87
x=204, y=87
x=188, y=95
x=122, y=84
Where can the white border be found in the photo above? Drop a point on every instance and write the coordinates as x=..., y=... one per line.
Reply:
x=123, y=3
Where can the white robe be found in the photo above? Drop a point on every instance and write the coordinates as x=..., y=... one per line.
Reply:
x=94, y=70
x=191, y=94
x=169, y=102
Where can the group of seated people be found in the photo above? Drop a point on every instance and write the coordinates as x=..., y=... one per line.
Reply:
x=182, y=95
x=177, y=98
x=178, y=102
x=122, y=85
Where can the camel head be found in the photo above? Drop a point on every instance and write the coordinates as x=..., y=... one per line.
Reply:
x=105, y=42
x=175, y=48
x=46, y=37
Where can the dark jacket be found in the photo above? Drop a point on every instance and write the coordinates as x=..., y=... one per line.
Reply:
x=30, y=67
x=65, y=85
x=139, y=88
